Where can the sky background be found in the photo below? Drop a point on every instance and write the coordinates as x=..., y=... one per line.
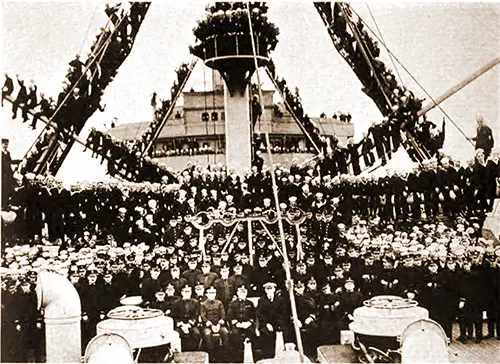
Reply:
x=440, y=43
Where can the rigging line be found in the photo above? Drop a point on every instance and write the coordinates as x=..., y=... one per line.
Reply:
x=205, y=98
x=290, y=110
x=286, y=263
x=171, y=107
x=418, y=83
x=383, y=42
x=321, y=126
x=355, y=32
x=83, y=74
x=362, y=45
x=85, y=70
x=217, y=138
x=213, y=102
x=88, y=28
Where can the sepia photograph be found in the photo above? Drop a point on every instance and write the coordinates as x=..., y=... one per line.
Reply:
x=250, y=182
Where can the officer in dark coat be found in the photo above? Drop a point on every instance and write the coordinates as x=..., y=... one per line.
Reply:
x=241, y=316
x=224, y=286
x=256, y=110
x=330, y=320
x=484, y=137
x=11, y=327
x=31, y=102
x=7, y=88
x=187, y=317
x=261, y=274
x=470, y=293
x=349, y=301
x=150, y=285
x=308, y=318
x=110, y=293
x=27, y=306
x=8, y=182
x=45, y=110
x=388, y=280
x=376, y=130
x=354, y=156
x=271, y=315
x=21, y=99
x=367, y=150
x=171, y=301
x=91, y=294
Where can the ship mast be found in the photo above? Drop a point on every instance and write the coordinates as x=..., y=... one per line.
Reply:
x=453, y=90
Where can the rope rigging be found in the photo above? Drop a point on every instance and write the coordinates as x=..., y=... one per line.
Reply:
x=161, y=124
x=286, y=263
x=217, y=139
x=362, y=44
x=290, y=110
x=384, y=43
x=51, y=147
x=414, y=79
x=352, y=57
x=203, y=116
x=103, y=47
x=88, y=28
x=69, y=92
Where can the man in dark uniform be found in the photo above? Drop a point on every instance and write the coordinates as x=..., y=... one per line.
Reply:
x=271, y=317
x=349, y=301
x=484, y=137
x=366, y=150
x=171, y=301
x=378, y=138
x=192, y=273
x=224, y=286
x=159, y=302
x=150, y=285
x=388, y=281
x=91, y=294
x=110, y=293
x=21, y=99
x=386, y=132
x=329, y=321
x=256, y=110
x=434, y=295
x=308, y=316
x=354, y=156
x=199, y=292
x=241, y=318
x=31, y=102
x=450, y=281
x=7, y=88
x=470, y=293
x=45, y=110
x=8, y=182
x=213, y=320
x=428, y=186
x=261, y=274
x=187, y=315
x=27, y=305
x=238, y=278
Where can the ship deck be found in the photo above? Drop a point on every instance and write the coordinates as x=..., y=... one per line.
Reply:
x=487, y=351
